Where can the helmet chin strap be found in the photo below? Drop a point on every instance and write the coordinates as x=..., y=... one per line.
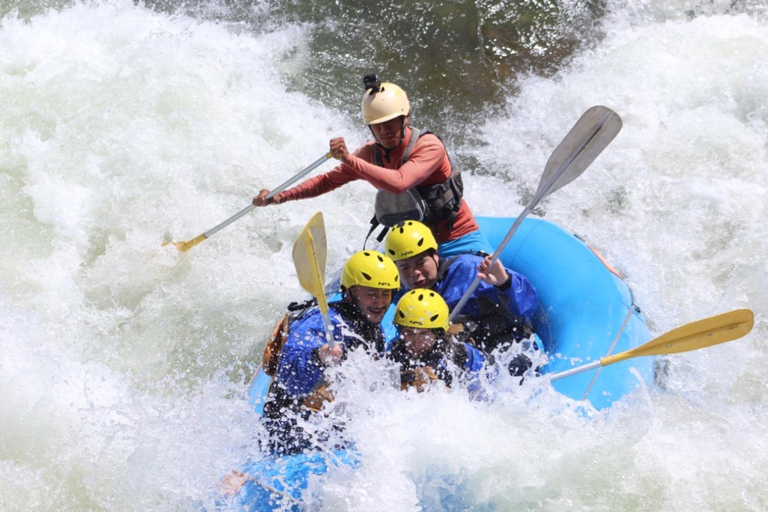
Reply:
x=348, y=297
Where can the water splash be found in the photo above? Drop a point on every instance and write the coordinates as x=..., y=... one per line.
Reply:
x=121, y=361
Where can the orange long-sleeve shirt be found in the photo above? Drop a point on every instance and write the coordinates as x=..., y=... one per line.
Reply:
x=428, y=164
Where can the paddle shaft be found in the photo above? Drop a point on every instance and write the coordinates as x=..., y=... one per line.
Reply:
x=314, y=165
x=328, y=329
x=577, y=370
x=185, y=246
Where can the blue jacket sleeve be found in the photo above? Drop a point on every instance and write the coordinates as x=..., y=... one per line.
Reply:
x=521, y=294
x=475, y=359
x=299, y=372
x=520, y=297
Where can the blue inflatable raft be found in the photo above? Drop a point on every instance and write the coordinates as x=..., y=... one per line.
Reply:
x=586, y=311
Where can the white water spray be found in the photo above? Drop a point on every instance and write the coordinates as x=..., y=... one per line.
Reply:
x=121, y=360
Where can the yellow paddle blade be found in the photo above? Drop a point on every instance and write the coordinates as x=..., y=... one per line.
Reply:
x=185, y=246
x=702, y=333
x=309, y=254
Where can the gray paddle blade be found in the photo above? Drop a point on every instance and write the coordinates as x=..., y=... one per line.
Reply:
x=587, y=139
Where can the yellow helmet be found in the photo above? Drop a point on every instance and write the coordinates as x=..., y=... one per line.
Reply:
x=389, y=102
x=422, y=309
x=371, y=269
x=409, y=239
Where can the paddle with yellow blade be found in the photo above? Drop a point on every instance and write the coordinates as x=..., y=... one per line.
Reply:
x=700, y=334
x=594, y=130
x=185, y=246
x=309, y=255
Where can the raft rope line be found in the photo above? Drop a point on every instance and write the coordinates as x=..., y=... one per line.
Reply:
x=615, y=340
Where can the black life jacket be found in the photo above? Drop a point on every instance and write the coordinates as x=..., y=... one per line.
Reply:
x=446, y=349
x=371, y=334
x=441, y=202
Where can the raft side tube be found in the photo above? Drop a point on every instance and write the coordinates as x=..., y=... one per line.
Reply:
x=583, y=306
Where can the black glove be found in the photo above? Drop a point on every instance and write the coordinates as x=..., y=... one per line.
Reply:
x=519, y=365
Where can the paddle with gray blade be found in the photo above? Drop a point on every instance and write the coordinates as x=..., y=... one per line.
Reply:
x=587, y=139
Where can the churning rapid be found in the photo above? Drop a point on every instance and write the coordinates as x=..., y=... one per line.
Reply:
x=123, y=363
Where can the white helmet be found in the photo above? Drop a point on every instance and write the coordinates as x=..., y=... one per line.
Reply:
x=383, y=102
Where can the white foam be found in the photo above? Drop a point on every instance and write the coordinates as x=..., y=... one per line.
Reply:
x=121, y=359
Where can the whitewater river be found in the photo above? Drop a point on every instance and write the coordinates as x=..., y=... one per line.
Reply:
x=123, y=125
